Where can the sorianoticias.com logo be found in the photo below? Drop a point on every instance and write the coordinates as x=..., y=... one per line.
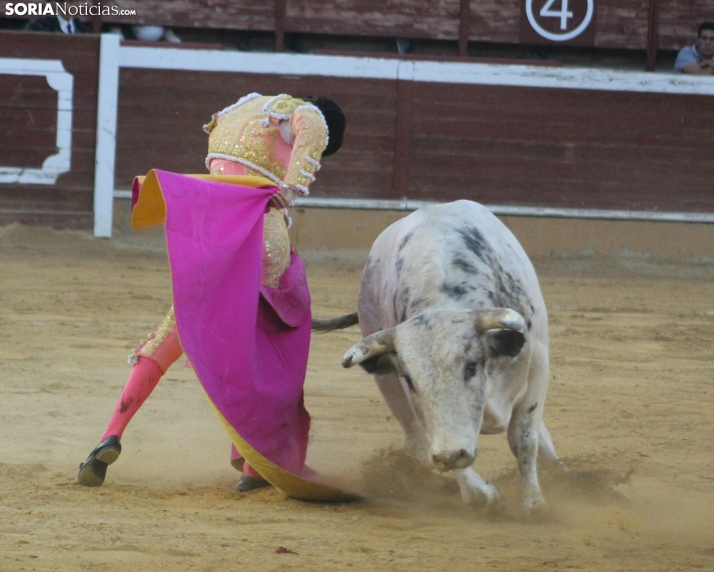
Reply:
x=63, y=9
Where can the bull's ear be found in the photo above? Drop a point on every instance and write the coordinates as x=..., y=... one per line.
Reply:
x=377, y=344
x=381, y=364
x=504, y=343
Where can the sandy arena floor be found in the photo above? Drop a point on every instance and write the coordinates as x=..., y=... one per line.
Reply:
x=630, y=408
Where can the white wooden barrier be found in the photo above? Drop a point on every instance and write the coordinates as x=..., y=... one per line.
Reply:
x=113, y=57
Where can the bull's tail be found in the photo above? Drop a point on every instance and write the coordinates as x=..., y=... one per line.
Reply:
x=335, y=323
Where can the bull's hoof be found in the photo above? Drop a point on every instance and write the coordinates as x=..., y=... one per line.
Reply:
x=534, y=506
x=94, y=470
x=476, y=491
x=534, y=509
x=485, y=496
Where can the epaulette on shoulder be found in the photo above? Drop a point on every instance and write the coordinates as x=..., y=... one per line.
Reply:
x=282, y=106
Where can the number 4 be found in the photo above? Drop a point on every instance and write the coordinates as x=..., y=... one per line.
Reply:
x=563, y=14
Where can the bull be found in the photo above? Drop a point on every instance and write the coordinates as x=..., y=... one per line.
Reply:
x=456, y=334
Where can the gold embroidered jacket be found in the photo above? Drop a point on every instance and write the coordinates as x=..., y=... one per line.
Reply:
x=279, y=137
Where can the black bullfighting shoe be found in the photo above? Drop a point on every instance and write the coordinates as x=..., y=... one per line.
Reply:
x=247, y=483
x=94, y=469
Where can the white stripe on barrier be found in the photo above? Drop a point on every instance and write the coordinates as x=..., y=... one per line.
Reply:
x=263, y=63
x=502, y=210
x=419, y=71
x=507, y=210
x=561, y=78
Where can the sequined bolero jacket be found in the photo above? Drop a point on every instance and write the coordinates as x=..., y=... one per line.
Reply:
x=279, y=137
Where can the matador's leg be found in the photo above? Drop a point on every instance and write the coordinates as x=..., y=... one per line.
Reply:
x=150, y=361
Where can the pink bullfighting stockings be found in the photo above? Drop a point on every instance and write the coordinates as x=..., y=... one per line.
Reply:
x=142, y=381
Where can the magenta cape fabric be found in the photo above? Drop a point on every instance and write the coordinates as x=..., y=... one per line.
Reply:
x=247, y=343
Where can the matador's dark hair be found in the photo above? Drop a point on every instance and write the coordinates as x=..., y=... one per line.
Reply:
x=335, y=123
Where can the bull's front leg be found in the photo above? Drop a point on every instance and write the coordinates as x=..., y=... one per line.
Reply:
x=392, y=389
x=475, y=490
x=390, y=385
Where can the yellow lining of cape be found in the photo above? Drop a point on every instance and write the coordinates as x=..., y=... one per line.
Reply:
x=150, y=209
x=287, y=483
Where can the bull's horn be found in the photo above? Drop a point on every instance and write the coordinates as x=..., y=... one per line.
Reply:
x=498, y=318
x=378, y=343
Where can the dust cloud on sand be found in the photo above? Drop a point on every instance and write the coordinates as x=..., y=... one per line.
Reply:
x=630, y=409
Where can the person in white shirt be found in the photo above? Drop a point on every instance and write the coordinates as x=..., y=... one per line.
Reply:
x=698, y=59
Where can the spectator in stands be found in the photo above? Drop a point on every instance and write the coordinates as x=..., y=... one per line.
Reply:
x=59, y=23
x=154, y=34
x=405, y=46
x=698, y=59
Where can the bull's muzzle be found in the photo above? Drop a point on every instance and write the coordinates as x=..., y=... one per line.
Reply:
x=449, y=460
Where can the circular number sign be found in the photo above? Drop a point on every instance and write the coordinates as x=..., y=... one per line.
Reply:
x=558, y=9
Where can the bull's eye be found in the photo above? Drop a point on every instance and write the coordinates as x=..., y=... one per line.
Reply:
x=469, y=370
x=410, y=384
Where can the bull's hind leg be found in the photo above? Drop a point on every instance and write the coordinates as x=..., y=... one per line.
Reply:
x=547, y=452
x=523, y=440
x=475, y=490
x=391, y=388
x=546, y=449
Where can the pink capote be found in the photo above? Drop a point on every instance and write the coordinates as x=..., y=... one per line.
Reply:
x=247, y=343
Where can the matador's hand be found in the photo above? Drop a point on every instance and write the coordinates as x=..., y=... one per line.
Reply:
x=287, y=193
x=279, y=201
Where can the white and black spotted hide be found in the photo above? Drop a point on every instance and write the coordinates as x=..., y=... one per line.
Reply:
x=456, y=333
